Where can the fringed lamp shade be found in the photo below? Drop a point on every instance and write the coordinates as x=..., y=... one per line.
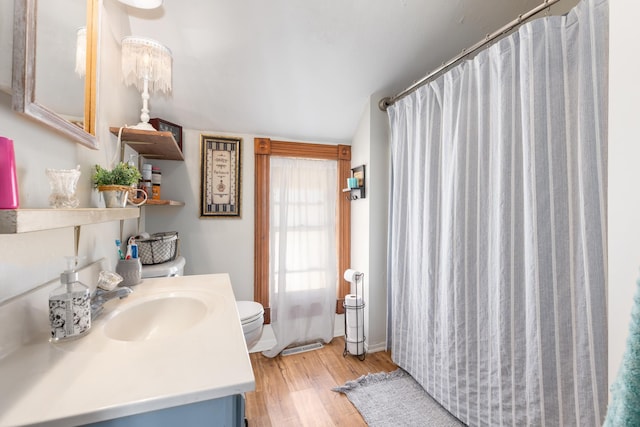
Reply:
x=144, y=58
x=146, y=64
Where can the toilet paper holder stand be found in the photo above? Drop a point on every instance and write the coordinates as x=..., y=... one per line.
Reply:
x=354, y=321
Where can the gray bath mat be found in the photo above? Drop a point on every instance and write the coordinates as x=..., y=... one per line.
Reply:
x=395, y=399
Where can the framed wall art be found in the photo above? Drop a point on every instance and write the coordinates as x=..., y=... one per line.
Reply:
x=220, y=175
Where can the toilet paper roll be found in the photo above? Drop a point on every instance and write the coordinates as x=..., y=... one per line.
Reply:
x=351, y=275
x=355, y=318
x=351, y=300
x=355, y=348
x=355, y=334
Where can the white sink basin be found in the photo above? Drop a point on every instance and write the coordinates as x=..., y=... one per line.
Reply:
x=156, y=349
x=155, y=317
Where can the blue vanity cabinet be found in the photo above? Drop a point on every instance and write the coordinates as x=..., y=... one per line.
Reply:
x=223, y=412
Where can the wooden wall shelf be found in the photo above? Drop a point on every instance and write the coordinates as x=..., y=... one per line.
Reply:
x=26, y=220
x=156, y=202
x=151, y=144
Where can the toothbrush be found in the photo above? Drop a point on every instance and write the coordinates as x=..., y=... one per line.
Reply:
x=118, y=243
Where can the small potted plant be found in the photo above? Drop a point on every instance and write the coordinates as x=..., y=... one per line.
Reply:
x=117, y=185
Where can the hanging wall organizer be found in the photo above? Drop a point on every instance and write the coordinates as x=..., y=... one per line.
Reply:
x=356, y=184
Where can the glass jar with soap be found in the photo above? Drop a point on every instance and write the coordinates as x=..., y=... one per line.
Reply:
x=69, y=306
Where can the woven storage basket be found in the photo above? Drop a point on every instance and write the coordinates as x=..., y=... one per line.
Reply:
x=159, y=248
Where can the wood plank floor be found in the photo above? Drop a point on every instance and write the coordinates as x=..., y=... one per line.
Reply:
x=296, y=391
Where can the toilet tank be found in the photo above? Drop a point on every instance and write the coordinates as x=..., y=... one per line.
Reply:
x=166, y=269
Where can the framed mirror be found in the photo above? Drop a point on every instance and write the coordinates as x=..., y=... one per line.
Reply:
x=45, y=44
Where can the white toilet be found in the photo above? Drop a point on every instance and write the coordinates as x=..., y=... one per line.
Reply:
x=252, y=319
x=251, y=313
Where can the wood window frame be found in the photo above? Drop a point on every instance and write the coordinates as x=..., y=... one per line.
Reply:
x=264, y=148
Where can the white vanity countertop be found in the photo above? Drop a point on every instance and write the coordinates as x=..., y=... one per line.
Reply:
x=96, y=378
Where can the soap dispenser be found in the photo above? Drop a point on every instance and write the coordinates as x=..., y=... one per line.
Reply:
x=69, y=306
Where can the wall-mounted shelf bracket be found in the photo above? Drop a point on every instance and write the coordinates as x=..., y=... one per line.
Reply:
x=76, y=242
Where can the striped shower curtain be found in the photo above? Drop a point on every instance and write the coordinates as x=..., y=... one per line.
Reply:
x=497, y=260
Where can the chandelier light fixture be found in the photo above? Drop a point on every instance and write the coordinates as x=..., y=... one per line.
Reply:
x=146, y=64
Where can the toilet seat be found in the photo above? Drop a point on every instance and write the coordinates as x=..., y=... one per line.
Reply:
x=249, y=311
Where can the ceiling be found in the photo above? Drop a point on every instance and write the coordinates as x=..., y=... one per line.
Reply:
x=305, y=69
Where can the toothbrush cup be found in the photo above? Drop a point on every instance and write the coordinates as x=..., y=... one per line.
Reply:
x=130, y=270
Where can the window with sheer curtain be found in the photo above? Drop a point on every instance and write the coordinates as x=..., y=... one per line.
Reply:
x=302, y=250
x=302, y=222
x=291, y=255
x=265, y=149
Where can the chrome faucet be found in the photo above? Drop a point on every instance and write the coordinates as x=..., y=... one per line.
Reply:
x=100, y=297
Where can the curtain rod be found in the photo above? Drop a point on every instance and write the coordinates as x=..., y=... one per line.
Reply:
x=385, y=103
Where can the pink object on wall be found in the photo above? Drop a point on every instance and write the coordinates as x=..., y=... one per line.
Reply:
x=8, y=177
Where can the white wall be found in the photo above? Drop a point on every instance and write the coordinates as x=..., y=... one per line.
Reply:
x=225, y=245
x=360, y=222
x=624, y=173
x=31, y=259
x=369, y=219
x=379, y=218
x=210, y=244
x=34, y=258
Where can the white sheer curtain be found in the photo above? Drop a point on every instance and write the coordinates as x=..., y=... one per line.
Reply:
x=302, y=256
x=498, y=228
